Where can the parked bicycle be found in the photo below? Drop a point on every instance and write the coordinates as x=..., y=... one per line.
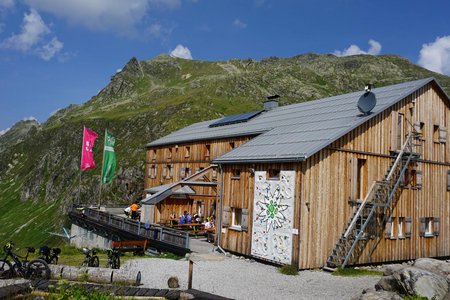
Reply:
x=113, y=258
x=50, y=255
x=20, y=266
x=90, y=259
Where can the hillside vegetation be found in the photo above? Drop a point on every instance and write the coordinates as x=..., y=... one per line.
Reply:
x=39, y=164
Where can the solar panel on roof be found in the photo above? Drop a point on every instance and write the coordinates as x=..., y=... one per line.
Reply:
x=235, y=119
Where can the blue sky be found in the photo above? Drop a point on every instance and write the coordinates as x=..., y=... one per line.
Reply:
x=57, y=52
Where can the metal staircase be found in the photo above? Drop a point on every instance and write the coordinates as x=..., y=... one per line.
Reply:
x=369, y=219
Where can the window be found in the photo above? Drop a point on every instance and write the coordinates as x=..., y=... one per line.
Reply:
x=207, y=151
x=392, y=235
x=169, y=171
x=232, y=145
x=274, y=174
x=169, y=153
x=236, y=217
x=152, y=171
x=429, y=226
x=153, y=155
x=400, y=134
x=436, y=133
x=236, y=174
x=187, y=152
x=214, y=174
x=187, y=172
x=400, y=227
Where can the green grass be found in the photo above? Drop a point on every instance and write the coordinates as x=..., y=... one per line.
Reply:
x=288, y=270
x=352, y=272
x=414, y=297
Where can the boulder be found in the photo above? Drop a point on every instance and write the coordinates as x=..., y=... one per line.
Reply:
x=436, y=266
x=391, y=269
x=415, y=281
x=377, y=295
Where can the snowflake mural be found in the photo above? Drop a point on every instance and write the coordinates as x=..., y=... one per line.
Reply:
x=272, y=217
x=271, y=209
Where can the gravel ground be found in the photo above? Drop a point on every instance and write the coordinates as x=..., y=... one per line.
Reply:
x=238, y=278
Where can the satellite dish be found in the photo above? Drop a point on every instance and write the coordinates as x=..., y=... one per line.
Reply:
x=367, y=102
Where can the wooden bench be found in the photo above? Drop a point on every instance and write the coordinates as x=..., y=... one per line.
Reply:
x=137, y=247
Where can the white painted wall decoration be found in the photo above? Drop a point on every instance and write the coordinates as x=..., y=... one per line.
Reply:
x=273, y=213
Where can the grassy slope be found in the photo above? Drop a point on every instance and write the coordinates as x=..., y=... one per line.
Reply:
x=149, y=99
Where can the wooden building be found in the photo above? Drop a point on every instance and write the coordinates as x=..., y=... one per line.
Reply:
x=351, y=179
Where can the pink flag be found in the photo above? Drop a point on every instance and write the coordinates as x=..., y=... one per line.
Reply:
x=87, y=156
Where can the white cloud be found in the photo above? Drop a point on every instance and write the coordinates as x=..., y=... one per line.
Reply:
x=239, y=24
x=33, y=30
x=32, y=38
x=2, y=132
x=103, y=15
x=181, y=52
x=51, y=49
x=30, y=118
x=118, y=70
x=375, y=49
x=436, y=56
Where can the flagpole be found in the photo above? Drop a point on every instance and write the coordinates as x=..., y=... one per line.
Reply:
x=101, y=174
x=81, y=171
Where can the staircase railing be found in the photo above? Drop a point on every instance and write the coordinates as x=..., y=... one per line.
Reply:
x=380, y=195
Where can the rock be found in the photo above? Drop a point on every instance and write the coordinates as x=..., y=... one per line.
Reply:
x=391, y=269
x=173, y=282
x=377, y=295
x=415, y=281
x=433, y=265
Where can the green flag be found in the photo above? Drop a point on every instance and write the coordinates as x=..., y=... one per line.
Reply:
x=109, y=158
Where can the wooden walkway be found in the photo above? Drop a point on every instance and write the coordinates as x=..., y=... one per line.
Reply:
x=10, y=292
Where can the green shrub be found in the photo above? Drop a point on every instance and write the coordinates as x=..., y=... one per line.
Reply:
x=288, y=270
x=355, y=272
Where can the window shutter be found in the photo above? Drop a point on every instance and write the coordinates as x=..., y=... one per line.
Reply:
x=423, y=226
x=407, y=227
x=164, y=171
x=156, y=173
x=182, y=172
x=171, y=171
x=387, y=233
x=419, y=179
x=442, y=134
x=197, y=170
x=244, y=219
x=353, y=178
x=448, y=180
x=436, y=222
x=226, y=216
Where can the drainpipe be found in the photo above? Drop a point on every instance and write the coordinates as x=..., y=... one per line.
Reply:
x=219, y=221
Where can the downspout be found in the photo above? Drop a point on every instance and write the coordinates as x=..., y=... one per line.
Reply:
x=219, y=222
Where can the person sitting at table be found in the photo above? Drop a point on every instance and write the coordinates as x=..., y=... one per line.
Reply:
x=209, y=223
x=187, y=217
x=182, y=219
x=173, y=219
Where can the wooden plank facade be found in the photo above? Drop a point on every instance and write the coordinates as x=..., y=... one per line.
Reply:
x=329, y=183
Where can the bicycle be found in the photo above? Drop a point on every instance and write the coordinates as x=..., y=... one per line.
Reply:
x=91, y=259
x=20, y=266
x=50, y=255
x=113, y=258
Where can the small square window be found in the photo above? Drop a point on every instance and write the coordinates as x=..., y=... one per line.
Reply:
x=152, y=171
x=274, y=174
x=236, y=217
x=169, y=153
x=232, y=145
x=154, y=155
x=436, y=133
x=429, y=227
x=236, y=174
x=187, y=153
x=169, y=171
x=392, y=229
x=207, y=150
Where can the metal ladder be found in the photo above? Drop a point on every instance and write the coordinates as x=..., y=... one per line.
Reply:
x=369, y=219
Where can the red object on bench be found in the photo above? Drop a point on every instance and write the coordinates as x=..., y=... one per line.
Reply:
x=130, y=246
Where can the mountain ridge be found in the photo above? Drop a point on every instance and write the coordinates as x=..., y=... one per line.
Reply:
x=148, y=99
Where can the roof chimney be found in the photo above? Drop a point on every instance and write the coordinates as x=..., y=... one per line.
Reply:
x=271, y=102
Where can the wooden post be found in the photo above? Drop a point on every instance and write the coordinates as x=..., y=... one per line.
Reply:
x=191, y=269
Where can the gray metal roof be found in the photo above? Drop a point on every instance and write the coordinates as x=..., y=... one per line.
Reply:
x=294, y=132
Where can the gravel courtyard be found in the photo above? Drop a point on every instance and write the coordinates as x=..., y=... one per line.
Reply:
x=239, y=278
